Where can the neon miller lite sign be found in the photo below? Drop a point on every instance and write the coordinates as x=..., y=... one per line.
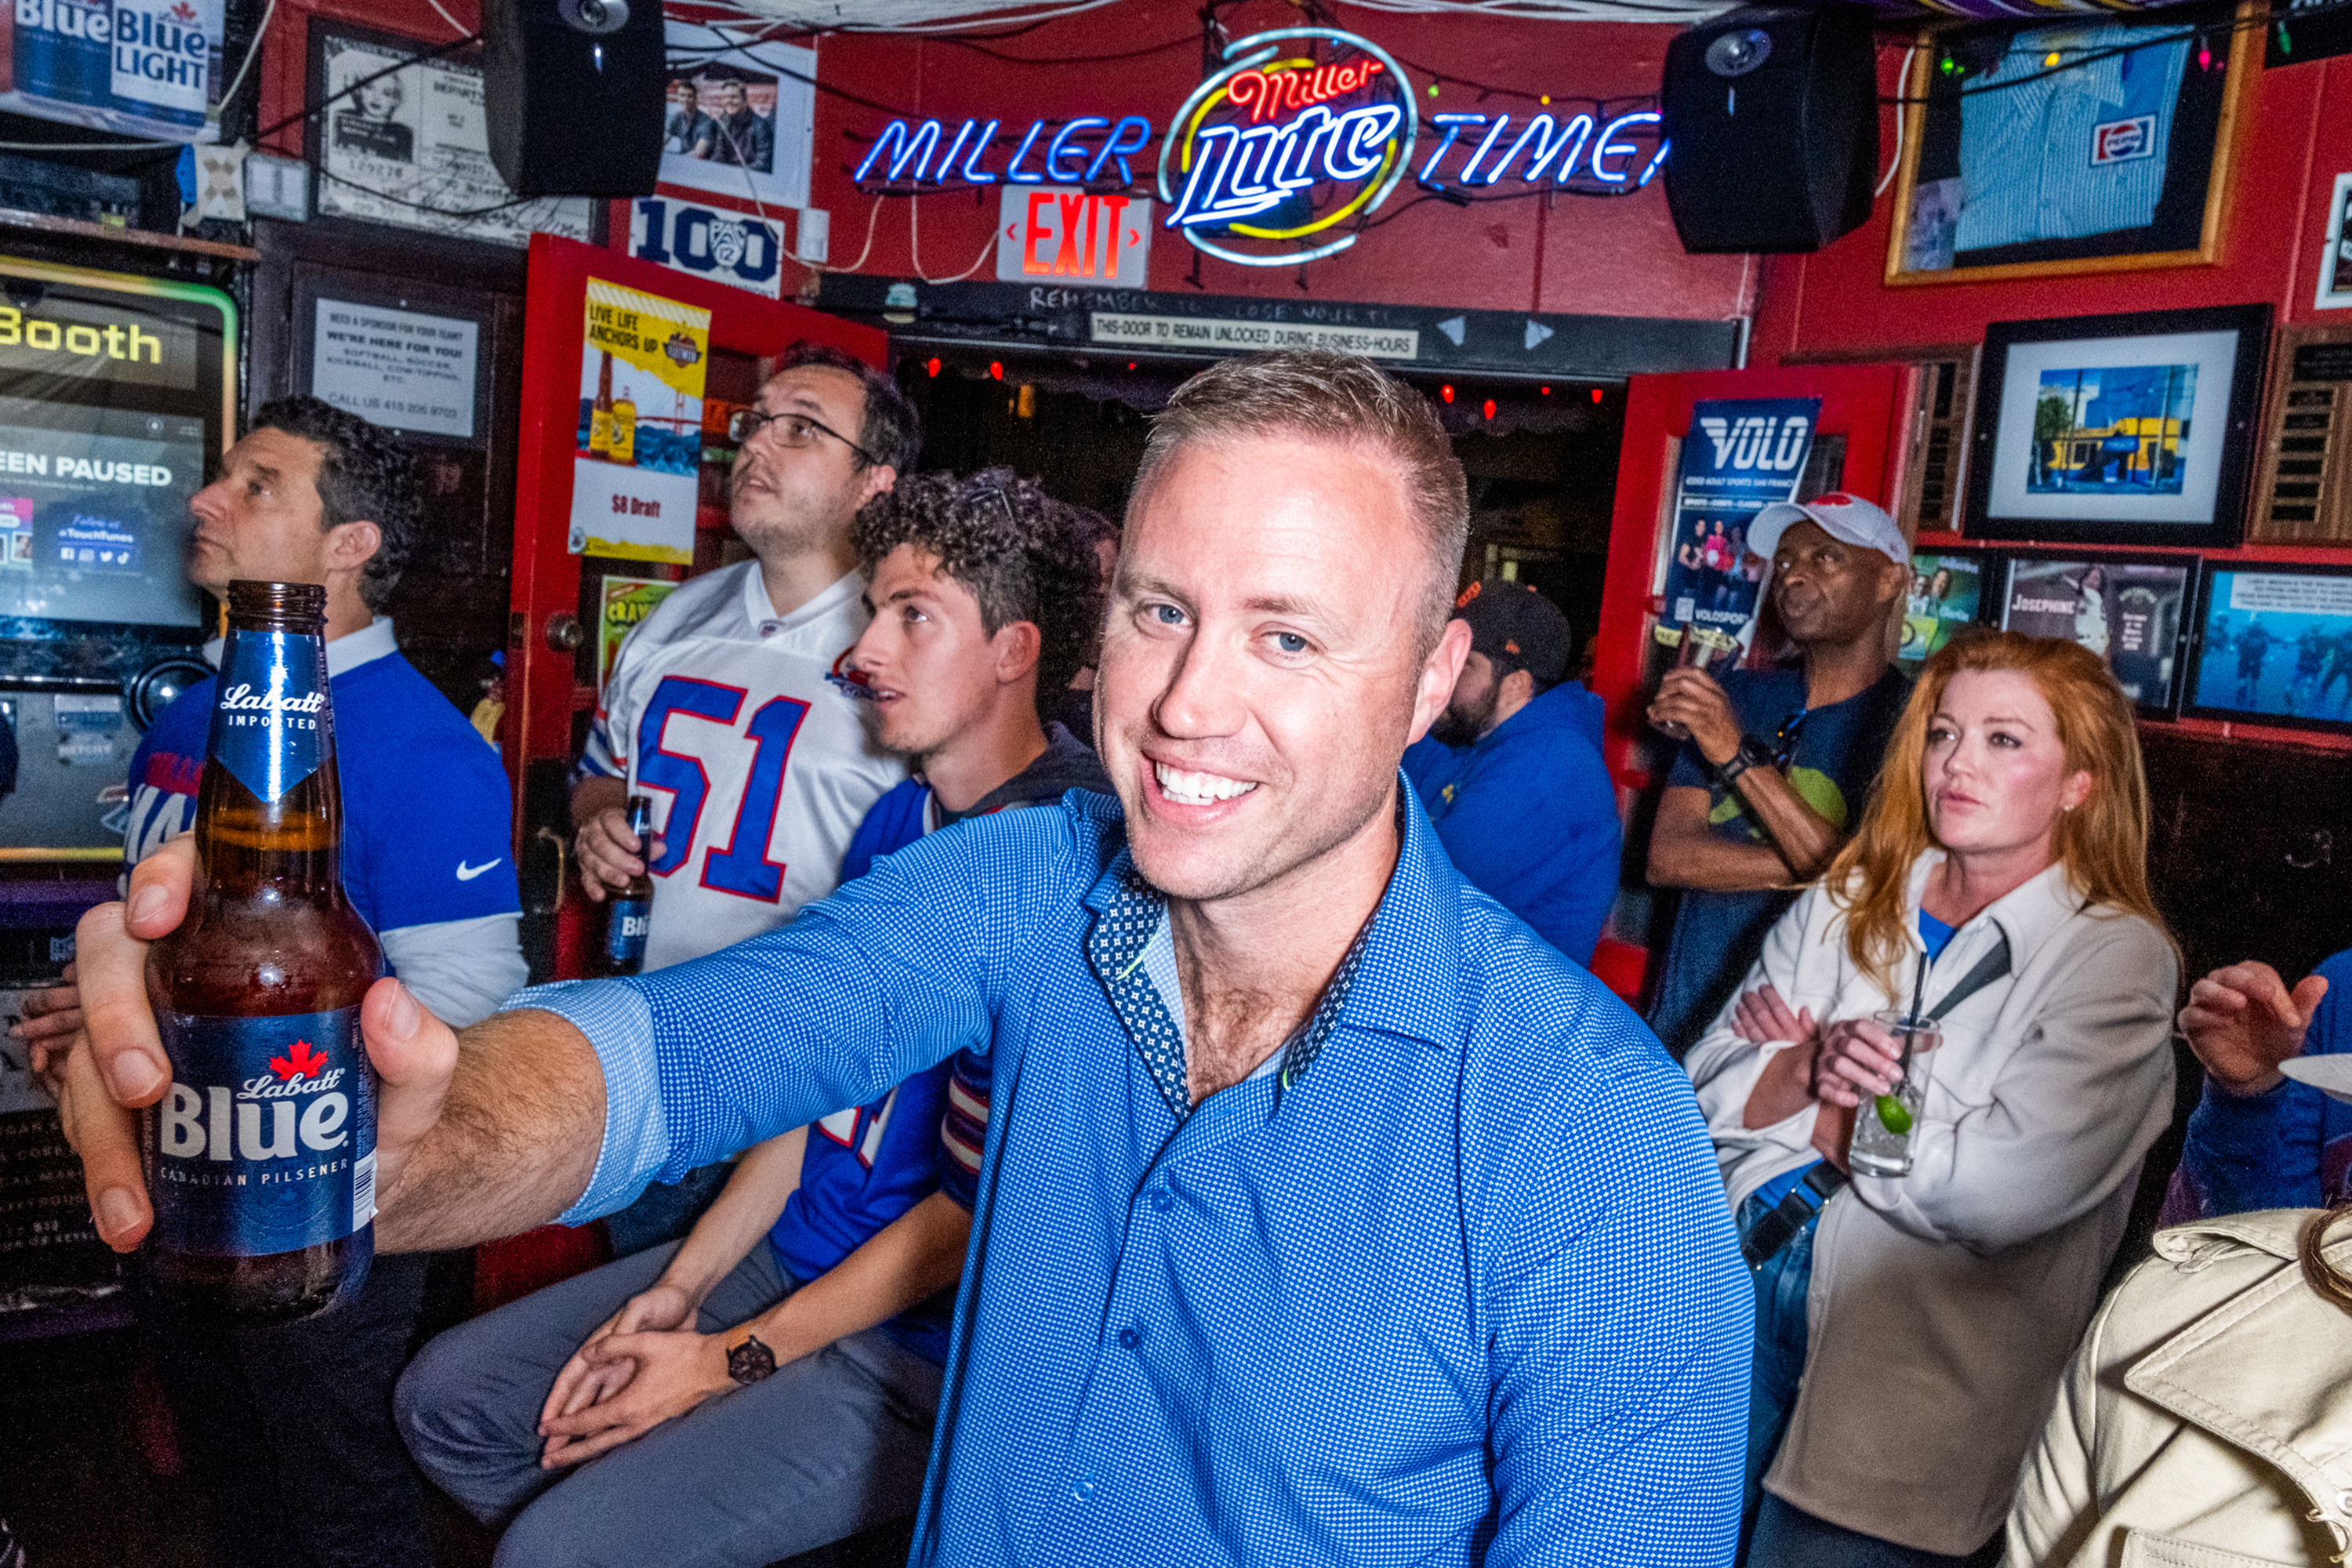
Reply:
x=1279, y=154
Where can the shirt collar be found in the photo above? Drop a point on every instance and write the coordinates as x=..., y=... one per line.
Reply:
x=760, y=610
x=345, y=653
x=1394, y=977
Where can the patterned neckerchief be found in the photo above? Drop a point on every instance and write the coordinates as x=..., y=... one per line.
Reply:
x=1116, y=948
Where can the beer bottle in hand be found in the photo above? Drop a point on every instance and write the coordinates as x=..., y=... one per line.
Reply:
x=630, y=912
x=261, y=1159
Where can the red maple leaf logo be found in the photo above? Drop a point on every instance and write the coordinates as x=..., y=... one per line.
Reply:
x=183, y=13
x=301, y=1062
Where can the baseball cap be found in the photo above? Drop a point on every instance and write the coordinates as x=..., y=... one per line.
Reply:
x=1511, y=621
x=1842, y=516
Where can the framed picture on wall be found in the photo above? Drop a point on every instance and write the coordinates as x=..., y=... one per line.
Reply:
x=2273, y=646
x=1948, y=593
x=2132, y=611
x=2087, y=146
x=2335, y=254
x=2132, y=429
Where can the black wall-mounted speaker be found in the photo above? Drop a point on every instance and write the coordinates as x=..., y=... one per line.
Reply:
x=1773, y=114
x=574, y=92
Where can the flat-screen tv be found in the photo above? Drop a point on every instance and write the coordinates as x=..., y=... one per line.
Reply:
x=2130, y=610
x=1946, y=596
x=114, y=398
x=2274, y=645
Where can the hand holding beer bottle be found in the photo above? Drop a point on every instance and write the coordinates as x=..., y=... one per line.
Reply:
x=260, y=1157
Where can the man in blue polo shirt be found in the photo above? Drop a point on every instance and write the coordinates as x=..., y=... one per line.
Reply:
x=1326, y=1214
x=290, y=1428
x=1511, y=774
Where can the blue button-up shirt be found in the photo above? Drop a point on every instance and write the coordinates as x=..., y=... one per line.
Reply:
x=1456, y=1284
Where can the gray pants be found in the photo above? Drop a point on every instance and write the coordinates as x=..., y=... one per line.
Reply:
x=833, y=1444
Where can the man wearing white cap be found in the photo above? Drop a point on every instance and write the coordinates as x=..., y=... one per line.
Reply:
x=1779, y=760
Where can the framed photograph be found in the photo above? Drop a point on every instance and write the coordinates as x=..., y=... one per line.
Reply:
x=2087, y=146
x=741, y=117
x=2335, y=254
x=2132, y=611
x=2134, y=429
x=2273, y=646
x=408, y=144
x=1948, y=593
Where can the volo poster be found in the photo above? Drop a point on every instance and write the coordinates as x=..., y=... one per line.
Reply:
x=639, y=450
x=1741, y=455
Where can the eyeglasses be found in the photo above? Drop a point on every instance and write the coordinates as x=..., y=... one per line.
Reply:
x=794, y=430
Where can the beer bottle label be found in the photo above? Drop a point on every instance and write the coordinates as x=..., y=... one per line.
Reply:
x=626, y=930
x=266, y=1142
x=269, y=715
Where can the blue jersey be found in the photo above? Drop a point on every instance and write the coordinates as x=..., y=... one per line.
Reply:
x=867, y=1165
x=2289, y=1147
x=427, y=815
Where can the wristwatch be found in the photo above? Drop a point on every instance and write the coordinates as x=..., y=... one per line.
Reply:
x=1752, y=754
x=750, y=1362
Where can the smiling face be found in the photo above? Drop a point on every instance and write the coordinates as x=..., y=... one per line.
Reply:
x=731, y=97
x=930, y=666
x=791, y=499
x=1828, y=591
x=1260, y=676
x=380, y=100
x=262, y=519
x=1995, y=769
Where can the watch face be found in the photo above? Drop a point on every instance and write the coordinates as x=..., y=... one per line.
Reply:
x=750, y=1360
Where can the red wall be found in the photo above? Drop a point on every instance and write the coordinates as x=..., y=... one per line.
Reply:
x=2296, y=139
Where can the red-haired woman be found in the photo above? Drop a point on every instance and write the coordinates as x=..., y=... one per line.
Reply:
x=1911, y=1329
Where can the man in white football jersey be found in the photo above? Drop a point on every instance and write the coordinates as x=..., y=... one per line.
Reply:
x=729, y=705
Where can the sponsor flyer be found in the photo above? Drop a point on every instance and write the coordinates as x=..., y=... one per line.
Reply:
x=637, y=459
x=1943, y=598
x=1741, y=455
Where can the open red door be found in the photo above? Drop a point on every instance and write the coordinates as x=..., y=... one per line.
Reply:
x=1858, y=445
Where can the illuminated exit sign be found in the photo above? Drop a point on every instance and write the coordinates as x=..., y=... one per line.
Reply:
x=1064, y=234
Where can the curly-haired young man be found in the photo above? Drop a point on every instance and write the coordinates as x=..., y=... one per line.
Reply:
x=290, y=1428
x=986, y=595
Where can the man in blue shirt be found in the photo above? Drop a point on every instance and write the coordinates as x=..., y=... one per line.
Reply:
x=1511, y=774
x=1325, y=1215
x=2271, y=1130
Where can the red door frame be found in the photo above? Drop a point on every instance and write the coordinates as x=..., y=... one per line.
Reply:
x=540, y=683
x=1864, y=403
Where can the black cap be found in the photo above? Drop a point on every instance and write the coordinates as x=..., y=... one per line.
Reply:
x=1511, y=622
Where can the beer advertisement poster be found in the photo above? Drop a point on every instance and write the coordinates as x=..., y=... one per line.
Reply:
x=142, y=68
x=624, y=602
x=638, y=454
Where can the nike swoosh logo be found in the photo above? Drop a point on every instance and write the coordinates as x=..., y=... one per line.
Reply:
x=467, y=873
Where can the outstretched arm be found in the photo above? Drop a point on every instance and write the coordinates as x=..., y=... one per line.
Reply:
x=478, y=1136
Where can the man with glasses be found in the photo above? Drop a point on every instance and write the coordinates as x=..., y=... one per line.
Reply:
x=729, y=705
x=1779, y=760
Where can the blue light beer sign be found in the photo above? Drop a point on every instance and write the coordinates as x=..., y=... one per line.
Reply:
x=145, y=67
x=1279, y=155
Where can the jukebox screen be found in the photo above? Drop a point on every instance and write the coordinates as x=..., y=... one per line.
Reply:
x=113, y=404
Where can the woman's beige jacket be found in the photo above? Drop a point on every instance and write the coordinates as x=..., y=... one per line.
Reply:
x=2207, y=1420
x=1944, y=1304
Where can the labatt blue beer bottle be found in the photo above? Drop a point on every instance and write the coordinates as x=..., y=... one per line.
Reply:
x=629, y=917
x=261, y=1159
